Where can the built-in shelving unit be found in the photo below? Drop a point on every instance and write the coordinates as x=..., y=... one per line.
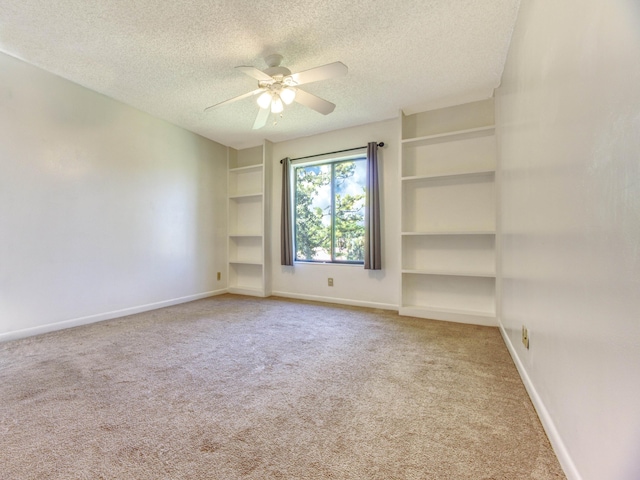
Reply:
x=448, y=163
x=249, y=267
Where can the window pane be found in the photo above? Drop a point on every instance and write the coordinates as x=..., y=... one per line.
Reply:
x=313, y=213
x=350, y=181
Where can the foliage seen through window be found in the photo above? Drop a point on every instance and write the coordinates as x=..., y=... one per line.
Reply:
x=329, y=211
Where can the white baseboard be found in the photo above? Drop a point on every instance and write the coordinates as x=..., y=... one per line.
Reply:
x=74, y=322
x=549, y=426
x=340, y=301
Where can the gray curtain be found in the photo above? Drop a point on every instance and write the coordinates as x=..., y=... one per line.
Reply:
x=286, y=232
x=372, y=247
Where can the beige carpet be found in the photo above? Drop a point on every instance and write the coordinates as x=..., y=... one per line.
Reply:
x=240, y=388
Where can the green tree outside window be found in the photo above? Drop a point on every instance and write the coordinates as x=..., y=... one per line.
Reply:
x=329, y=211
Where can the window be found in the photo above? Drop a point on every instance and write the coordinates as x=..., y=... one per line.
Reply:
x=329, y=211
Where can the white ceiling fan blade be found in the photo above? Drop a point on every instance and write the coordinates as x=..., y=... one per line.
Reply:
x=234, y=99
x=255, y=73
x=331, y=70
x=261, y=119
x=315, y=103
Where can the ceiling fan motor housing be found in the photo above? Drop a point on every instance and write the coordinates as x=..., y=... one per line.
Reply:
x=277, y=72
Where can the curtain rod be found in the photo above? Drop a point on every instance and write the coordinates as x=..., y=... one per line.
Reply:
x=381, y=144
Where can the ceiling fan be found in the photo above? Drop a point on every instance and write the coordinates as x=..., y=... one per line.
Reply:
x=277, y=87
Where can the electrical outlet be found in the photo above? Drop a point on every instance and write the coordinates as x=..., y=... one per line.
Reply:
x=525, y=337
x=219, y=275
x=330, y=282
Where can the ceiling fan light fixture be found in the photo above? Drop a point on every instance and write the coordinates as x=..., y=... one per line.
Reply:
x=276, y=104
x=264, y=100
x=288, y=95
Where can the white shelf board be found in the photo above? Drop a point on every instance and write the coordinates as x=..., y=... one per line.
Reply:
x=450, y=314
x=449, y=273
x=244, y=262
x=245, y=195
x=254, y=235
x=248, y=169
x=449, y=136
x=452, y=232
x=444, y=175
x=240, y=290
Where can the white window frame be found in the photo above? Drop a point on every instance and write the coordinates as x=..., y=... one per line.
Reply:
x=292, y=173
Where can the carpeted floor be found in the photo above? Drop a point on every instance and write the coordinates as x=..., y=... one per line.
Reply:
x=234, y=387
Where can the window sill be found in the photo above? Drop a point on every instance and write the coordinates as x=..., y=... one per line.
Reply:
x=329, y=264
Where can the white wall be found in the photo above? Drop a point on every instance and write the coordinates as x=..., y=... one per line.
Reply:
x=569, y=122
x=104, y=210
x=352, y=284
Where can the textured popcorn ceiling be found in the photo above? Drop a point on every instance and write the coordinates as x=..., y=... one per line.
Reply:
x=172, y=59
